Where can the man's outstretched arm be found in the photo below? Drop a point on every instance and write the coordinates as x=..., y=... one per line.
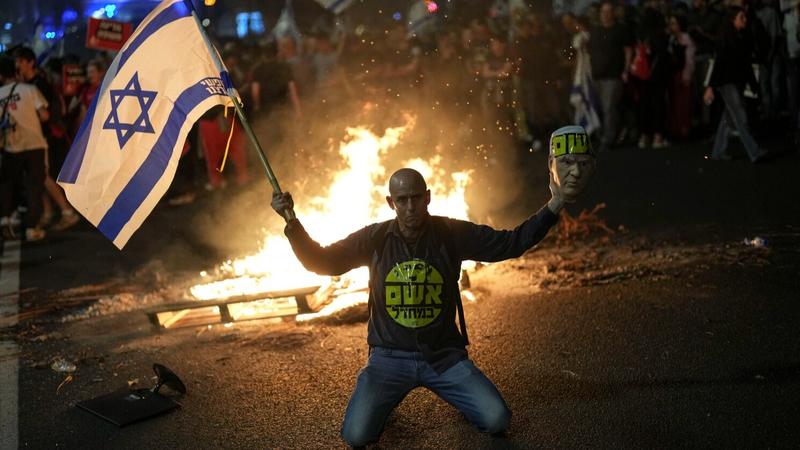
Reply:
x=335, y=259
x=484, y=243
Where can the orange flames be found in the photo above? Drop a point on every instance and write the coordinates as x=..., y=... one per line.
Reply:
x=354, y=199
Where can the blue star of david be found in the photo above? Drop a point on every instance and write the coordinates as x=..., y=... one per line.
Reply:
x=142, y=123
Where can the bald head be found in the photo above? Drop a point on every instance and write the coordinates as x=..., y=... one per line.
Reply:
x=407, y=180
x=409, y=198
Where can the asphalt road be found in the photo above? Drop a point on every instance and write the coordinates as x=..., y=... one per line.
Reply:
x=681, y=337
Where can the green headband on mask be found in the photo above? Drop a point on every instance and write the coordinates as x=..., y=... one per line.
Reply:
x=572, y=140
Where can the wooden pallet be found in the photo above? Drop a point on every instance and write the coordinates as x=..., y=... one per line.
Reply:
x=235, y=309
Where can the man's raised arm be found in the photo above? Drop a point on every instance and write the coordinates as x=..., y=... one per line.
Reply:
x=335, y=259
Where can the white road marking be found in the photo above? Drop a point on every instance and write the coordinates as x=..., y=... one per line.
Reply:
x=9, y=363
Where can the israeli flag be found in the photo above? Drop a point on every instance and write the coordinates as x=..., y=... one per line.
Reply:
x=286, y=25
x=126, y=151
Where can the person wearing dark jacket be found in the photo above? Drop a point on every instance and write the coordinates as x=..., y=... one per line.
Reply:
x=652, y=90
x=733, y=71
x=414, y=263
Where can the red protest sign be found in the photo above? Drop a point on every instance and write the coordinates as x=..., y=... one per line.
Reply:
x=104, y=34
x=72, y=76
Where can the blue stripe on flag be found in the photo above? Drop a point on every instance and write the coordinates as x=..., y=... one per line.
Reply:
x=177, y=10
x=153, y=167
x=72, y=164
x=226, y=79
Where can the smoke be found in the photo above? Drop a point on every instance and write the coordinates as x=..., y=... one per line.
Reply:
x=507, y=182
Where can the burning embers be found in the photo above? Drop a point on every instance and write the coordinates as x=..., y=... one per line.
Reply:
x=354, y=199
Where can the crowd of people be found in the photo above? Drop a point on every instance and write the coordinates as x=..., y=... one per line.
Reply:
x=645, y=75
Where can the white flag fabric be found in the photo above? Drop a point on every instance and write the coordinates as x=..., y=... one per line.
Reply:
x=126, y=151
x=286, y=25
x=335, y=6
x=421, y=20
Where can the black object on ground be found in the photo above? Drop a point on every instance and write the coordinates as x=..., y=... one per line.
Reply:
x=126, y=406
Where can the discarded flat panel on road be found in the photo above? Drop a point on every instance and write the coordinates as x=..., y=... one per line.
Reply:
x=126, y=406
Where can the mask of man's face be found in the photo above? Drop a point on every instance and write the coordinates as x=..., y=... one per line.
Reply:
x=572, y=172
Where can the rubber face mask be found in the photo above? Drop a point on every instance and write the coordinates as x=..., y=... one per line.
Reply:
x=570, y=140
x=572, y=155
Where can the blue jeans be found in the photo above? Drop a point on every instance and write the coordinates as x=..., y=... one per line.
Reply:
x=391, y=374
x=736, y=116
x=609, y=90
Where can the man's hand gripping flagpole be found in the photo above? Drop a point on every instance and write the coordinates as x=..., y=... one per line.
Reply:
x=288, y=214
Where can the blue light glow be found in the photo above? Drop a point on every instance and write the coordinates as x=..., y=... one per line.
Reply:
x=68, y=16
x=257, y=23
x=7, y=26
x=110, y=10
x=397, y=16
x=241, y=24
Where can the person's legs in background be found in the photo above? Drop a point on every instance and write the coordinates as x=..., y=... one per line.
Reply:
x=238, y=155
x=609, y=91
x=34, y=169
x=720, y=149
x=738, y=120
x=10, y=177
x=793, y=91
x=213, y=142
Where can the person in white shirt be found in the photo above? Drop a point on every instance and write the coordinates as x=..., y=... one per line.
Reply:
x=24, y=147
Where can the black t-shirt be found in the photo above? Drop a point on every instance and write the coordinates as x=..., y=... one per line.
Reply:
x=274, y=77
x=413, y=291
x=538, y=56
x=607, y=50
x=53, y=103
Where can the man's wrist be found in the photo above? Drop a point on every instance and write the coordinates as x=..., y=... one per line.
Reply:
x=555, y=205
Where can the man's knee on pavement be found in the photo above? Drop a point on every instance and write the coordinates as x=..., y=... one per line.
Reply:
x=356, y=435
x=496, y=419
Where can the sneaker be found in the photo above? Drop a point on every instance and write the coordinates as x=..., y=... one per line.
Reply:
x=183, y=199
x=34, y=234
x=661, y=143
x=761, y=157
x=46, y=220
x=68, y=219
x=211, y=188
x=623, y=136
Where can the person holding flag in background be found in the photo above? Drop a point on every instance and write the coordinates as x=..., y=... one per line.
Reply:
x=126, y=151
